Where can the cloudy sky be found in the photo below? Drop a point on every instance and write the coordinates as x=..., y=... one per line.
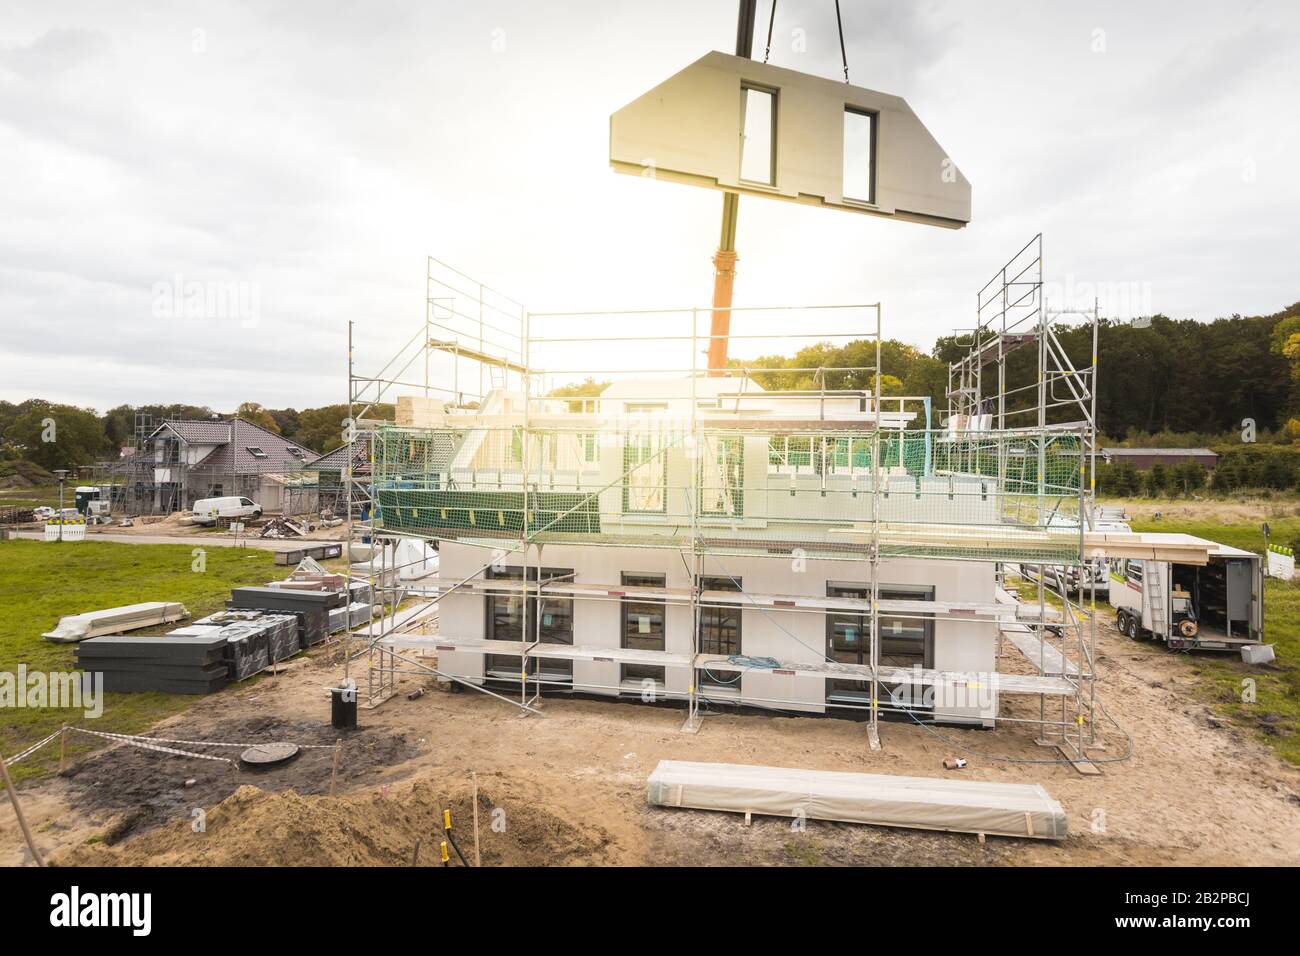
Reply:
x=308, y=157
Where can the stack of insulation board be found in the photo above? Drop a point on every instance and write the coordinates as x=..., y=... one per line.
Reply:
x=115, y=620
x=354, y=615
x=310, y=607
x=171, y=664
x=254, y=639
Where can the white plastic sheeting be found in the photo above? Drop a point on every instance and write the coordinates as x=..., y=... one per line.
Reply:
x=969, y=806
x=115, y=620
x=409, y=560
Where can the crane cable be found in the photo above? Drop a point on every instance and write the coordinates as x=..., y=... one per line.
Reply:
x=844, y=57
x=770, y=20
x=839, y=24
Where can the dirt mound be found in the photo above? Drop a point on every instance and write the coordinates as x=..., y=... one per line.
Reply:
x=375, y=828
x=24, y=474
x=147, y=789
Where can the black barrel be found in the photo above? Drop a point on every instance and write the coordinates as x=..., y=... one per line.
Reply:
x=343, y=707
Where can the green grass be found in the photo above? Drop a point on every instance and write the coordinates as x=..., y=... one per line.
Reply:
x=41, y=582
x=1274, y=717
x=1247, y=535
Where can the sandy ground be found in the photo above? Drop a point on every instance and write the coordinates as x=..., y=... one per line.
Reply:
x=569, y=787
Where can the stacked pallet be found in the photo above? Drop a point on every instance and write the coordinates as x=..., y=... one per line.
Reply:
x=970, y=806
x=310, y=607
x=172, y=664
x=255, y=639
x=351, y=617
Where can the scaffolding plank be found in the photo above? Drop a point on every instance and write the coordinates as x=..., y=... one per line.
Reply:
x=587, y=652
x=965, y=806
x=975, y=680
x=1044, y=658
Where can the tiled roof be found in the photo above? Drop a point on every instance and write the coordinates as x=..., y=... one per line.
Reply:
x=276, y=451
x=337, y=459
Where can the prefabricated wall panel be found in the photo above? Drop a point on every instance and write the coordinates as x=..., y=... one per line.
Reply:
x=930, y=803
x=688, y=129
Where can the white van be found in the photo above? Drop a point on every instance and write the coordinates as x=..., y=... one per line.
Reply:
x=232, y=507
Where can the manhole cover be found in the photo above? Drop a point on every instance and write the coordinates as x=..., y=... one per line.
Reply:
x=264, y=754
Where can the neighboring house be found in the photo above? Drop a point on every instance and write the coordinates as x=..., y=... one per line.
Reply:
x=185, y=460
x=1144, y=458
x=329, y=469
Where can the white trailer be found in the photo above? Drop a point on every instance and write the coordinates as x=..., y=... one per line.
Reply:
x=1216, y=606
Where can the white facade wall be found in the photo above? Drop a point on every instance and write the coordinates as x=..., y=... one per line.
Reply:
x=790, y=635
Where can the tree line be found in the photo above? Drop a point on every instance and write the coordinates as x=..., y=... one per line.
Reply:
x=1229, y=383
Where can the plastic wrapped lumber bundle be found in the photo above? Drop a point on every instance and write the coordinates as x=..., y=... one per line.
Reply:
x=970, y=806
x=115, y=620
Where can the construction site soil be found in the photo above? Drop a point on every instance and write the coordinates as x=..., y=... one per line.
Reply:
x=568, y=787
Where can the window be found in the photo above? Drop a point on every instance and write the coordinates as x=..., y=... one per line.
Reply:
x=789, y=454
x=904, y=642
x=859, y=155
x=255, y=451
x=643, y=627
x=758, y=136
x=550, y=620
x=722, y=475
x=719, y=631
x=294, y=450
x=645, y=470
x=246, y=502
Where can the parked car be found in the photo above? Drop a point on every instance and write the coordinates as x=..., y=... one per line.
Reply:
x=231, y=508
x=43, y=513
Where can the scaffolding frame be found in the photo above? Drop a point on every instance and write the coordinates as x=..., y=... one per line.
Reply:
x=466, y=321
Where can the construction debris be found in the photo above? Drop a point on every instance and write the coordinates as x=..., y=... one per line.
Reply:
x=966, y=806
x=114, y=620
x=284, y=528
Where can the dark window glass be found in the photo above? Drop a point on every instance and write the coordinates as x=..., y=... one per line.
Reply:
x=550, y=620
x=643, y=626
x=719, y=631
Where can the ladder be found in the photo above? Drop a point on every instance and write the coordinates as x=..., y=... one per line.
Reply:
x=1153, y=578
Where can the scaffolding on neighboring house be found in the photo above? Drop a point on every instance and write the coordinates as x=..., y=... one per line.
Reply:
x=507, y=457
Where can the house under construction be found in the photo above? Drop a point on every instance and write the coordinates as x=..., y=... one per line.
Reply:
x=692, y=535
x=176, y=462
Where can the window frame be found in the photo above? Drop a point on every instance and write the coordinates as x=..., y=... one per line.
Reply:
x=638, y=579
x=657, y=446
x=732, y=491
x=873, y=116
x=709, y=582
x=745, y=88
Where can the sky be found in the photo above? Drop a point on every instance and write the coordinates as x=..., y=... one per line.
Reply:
x=297, y=164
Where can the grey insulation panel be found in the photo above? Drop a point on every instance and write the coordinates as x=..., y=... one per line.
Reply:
x=931, y=803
